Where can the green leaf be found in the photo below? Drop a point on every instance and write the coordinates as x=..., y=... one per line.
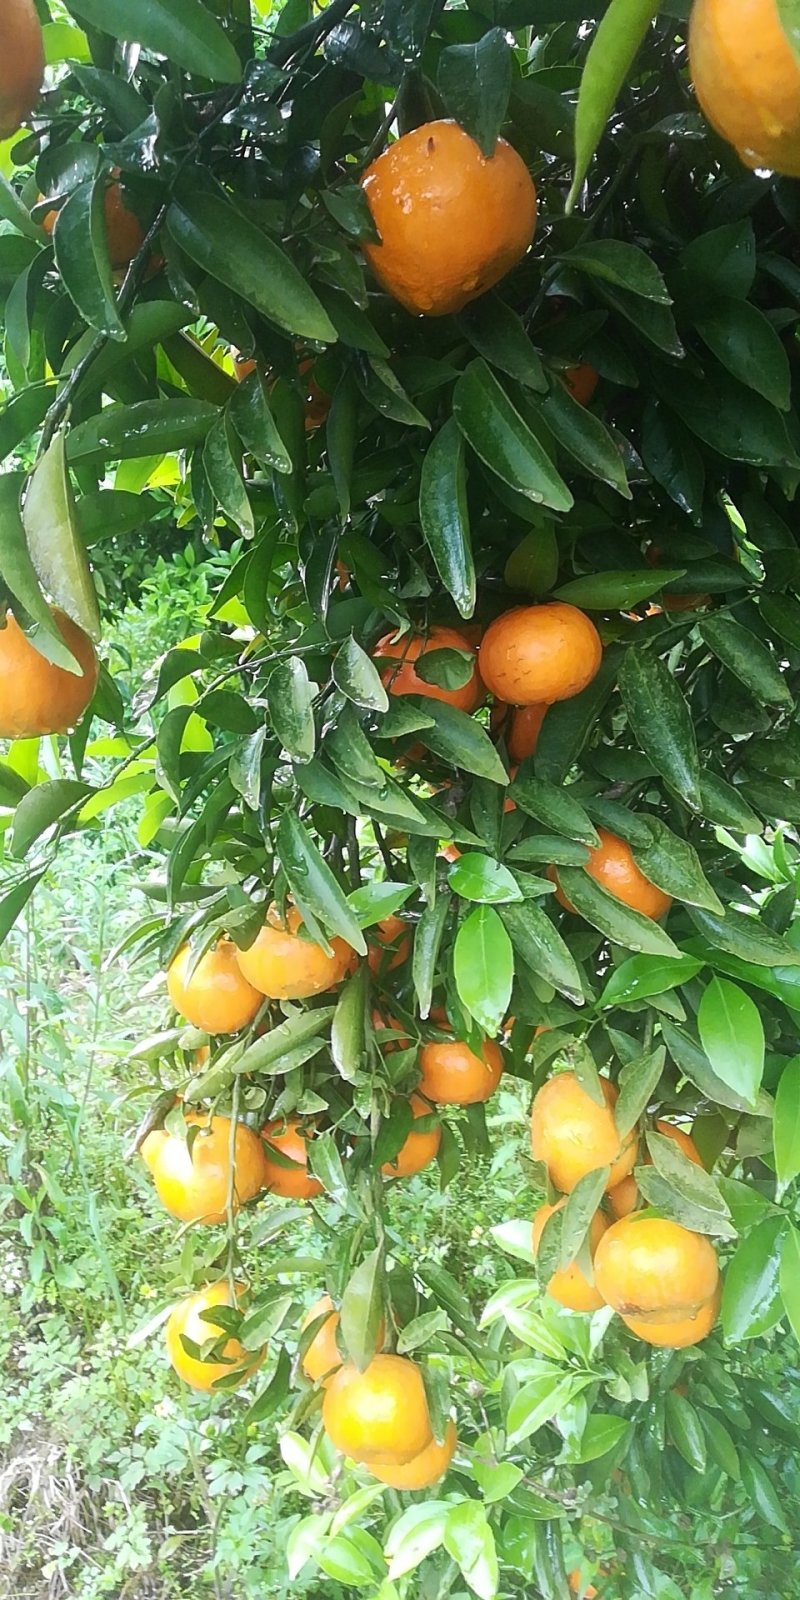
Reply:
x=790, y=1279
x=480, y=878
x=13, y=903
x=149, y=428
x=732, y=1036
x=475, y=84
x=290, y=697
x=81, y=247
x=578, y=1212
x=386, y=394
x=745, y=342
x=671, y=455
x=242, y=256
x=661, y=722
x=568, y=725
x=250, y=413
x=348, y=1031
x=182, y=30
x=612, y=54
x=614, y=591
x=685, y=1430
x=642, y=976
x=751, y=1299
x=497, y=433
x=695, y=1065
x=224, y=473
x=786, y=1124
x=270, y=1050
x=638, y=1082
x=362, y=1309
x=556, y=808
x=19, y=574
x=444, y=515
x=602, y=1434
x=672, y=864
x=617, y=262
x=727, y=806
x=789, y=16
x=744, y=937
x=499, y=335
x=586, y=438
x=23, y=414
x=55, y=546
x=748, y=658
x=315, y=889
x=469, y=1539
x=40, y=808
x=349, y=206
x=691, y=1184
x=427, y=944
x=721, y=1447
x=722, y=261
x=539, y=1400
x=761, y=1490
x=614, y=919
x=458, y=739
x=483, y=964
x=542, y=949
x=358, y=677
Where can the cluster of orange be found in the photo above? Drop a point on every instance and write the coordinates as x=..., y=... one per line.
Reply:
x=662, y=1279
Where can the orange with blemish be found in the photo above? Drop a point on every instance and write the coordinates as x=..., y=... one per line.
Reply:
x=536, y=655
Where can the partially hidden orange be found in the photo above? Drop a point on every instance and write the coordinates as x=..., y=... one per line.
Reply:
x=215, y=996
x=419, y=1149
x=425, y=1469
x=288, y=1137
x=612, y=865
x=400, y=676
x=192, y=1184
x=285, y=966
x=37, y=697
x=453, y=1075
x=232, y=1362
x=569, y=1285
x=747, y=80
x=572, y=1134
x=21, y=63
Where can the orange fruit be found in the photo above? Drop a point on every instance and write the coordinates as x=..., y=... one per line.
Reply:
x=589, y=1593
x=390, y=942
x=747, y=80
x=286, y=967
x=36, y=697
x=380, y=1415
x=452, y=221
x=582, y=382
x=384, y=1025
x=290, y=1136
x=217, y=997
x=186, y=1317
x=243, y=366
x=124, y=231
x=21, y=63
x=322, y=1357
x=450, y=852
x=452, y=1075
x=317, y=401
x=538, y=654
x=573, y=1135
x=569, y=1286
x=403, y=679
x=655, y=1271
x=521, y=726
x=193, y=1185
x=426, y=1469
x=623, y=1199
x=678, y=1335
x=611, y=864
x=419, y=1148
x=684, y=602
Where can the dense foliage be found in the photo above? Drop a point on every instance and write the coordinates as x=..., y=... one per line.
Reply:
x=455, y=475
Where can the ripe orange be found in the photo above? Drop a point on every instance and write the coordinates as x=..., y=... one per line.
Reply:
x=37, y=697
x=243, y=366
x=611, y=864
x=380, y=1415
x=582, y=382
x=286, y=967
x=678, y=1335
x=569, y=1286
x=589, y=1593
x=426, y=1469
x=452, y=1075
x=216, y=998
x=538, y=654
x=403, y=679
x=21, y=63
x=186, y=1317
x=390, y=943
x=419, y=1149
x=747, y=80
x=452, y=221
x=290, y=1136
x=623, y=1199
x=322, y=1357
x=521, y=726
x=573, y=1135
x=655, y=1271
x=193, y=1186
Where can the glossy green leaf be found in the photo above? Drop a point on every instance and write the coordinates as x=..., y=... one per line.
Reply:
x=732, y=1035
x=290, y=697
x=786, y=1123
x=638, y=1081
x=14, y=901
x=444, y=515
x=745, y=342
x=54, y=542
x=747, y=657
x=497, y=433
x=40, y=808
x=673, y=865
x=612, y=53
x=318, y=895
x=751, y=1298
x=81, y=247
x=726, y=805
x=661, y=722
x=475, y=84
x=499, y=335
x=585, y=437
x=611, y=917
x=242, y=256
x=568, y=725
x=745, y=937
x=643, y=976
x=483, y=964
x=762, y=1493
x=427, y=944
x=478, y=877
x=790, y=1279
x=541, y=948
x=224, y=474
x=256, y=426
x=461, y=741
x=685, y=1430
x=555, y=808
x=357, y=676
x=182, y=30
x=19, y=574
x=148, y=428
x=691, y=1183
x=362, y=1309
x=469, y=1539
x=614, y=591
